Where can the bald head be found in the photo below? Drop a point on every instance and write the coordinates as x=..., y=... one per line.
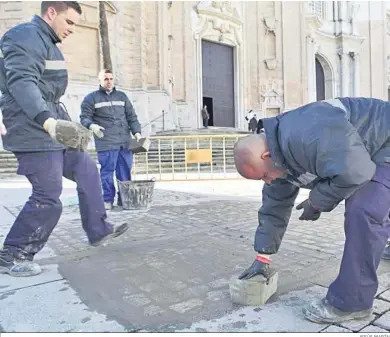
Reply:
x=253, y=159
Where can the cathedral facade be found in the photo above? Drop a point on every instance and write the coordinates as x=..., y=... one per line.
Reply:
x=174, y=57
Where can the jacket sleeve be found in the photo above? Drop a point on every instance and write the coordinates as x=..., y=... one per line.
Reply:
x=131, y=117
x=87, y=111
x=343, y=163
x=24, y=62
x=274, y=215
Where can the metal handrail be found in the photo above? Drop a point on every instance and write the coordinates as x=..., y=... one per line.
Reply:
x=188, y=157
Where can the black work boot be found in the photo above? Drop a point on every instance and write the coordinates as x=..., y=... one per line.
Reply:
x=116, y=232
x=17, y=267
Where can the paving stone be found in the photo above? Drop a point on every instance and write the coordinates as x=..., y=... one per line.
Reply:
x=373, y=328
x=385, y=295
x=148, y=287
x=138, y=300
x=218, y=295
x=153, y=310
x=165, y=297
x=335, y=328
x=198, y=290
x=383, y=321
x=255, y=291
x=176, y=285
x=358, y=324
x=186, y=306
x=219, y=283
x=384, y=282
x=381, y=306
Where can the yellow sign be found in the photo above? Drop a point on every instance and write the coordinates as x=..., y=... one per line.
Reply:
x=199, y=156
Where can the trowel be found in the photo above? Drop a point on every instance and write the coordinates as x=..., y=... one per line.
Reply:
x=141, y=146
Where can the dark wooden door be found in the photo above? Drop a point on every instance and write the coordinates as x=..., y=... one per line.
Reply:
x=218, y=81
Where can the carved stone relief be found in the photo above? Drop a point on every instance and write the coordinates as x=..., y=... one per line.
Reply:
x=219, y=19
x=272, y=98
x=270, y=42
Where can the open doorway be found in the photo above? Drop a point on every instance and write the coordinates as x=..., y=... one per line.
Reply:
x=209, y=102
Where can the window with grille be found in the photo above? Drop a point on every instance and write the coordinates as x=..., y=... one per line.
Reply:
x=318, y=8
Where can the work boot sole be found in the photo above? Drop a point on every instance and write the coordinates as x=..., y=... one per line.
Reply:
x=4, y=270
x=317, y=319
x=117, y=232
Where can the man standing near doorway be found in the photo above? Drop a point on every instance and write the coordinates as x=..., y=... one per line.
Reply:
x=109, y=114
x=205, y=117
x=33, y=78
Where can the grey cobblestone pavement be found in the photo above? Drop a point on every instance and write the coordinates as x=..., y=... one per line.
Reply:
x=172, y=268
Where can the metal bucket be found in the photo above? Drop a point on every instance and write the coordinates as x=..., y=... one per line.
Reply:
x=137, y=194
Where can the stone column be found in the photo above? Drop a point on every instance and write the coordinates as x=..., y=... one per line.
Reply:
x=311, y=69
x=356, y=73
x=343, y=16
x=344, y=73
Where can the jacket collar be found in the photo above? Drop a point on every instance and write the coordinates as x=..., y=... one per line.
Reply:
x=38, y=21
x=271, y=128
x=105, y=91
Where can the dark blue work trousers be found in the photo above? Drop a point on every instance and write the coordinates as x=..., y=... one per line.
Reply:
x=367, y=228
x=41, y=213
x=118, y=162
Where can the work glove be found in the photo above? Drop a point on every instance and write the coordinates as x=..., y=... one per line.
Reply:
x=3, y=130
x=309, y=211
x=50, y=126
x=259, y=267
x=97, y=130
x=71, y=134
x=137, y=136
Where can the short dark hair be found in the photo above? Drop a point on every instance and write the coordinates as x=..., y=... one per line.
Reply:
x=60, y=6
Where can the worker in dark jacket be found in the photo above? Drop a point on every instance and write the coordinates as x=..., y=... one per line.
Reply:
x=109, y=114
x=340, y=149
x=33, y=77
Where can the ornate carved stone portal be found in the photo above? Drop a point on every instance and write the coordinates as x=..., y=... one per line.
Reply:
x=220, y=22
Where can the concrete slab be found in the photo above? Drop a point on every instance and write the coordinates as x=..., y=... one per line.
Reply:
x=335, y=329
x=385, y=295
x=383, y=321
x=373, y=328
x=381, y=306
x=49, y=274
x=51, y=307
x=284, y=315
x=383, y=277
x=358, y=324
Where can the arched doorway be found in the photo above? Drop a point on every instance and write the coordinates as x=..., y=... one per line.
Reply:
x=320, y=81
x=324, y=78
